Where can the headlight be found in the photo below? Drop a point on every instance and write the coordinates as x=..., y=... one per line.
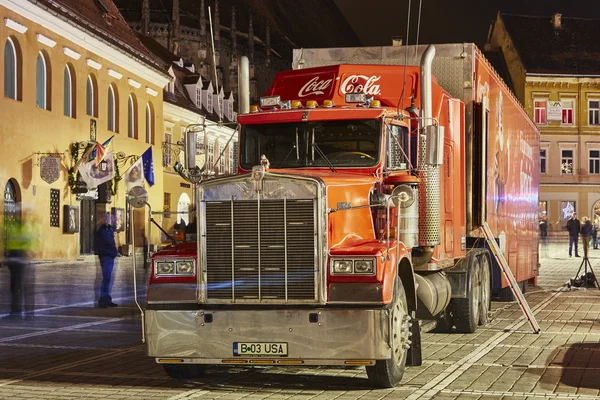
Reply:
x=364, y=267
x=165, y=268
x=185, y=267
x=342, y=266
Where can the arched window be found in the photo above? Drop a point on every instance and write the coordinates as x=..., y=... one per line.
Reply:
x=149, y=125
x=112, y=111
x=91, y=96
x=10, y=70
x=68, y=93
x=41, y=82
x=131, y=117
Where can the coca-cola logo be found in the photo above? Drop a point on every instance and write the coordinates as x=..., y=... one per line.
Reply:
x=361, y=84
x=314, y=86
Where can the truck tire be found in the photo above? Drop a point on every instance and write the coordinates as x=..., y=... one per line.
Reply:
x=485, y=300
x=184, y=371
x=466, y=311
x=388, y=373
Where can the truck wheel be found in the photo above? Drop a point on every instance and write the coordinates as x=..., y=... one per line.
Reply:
x=184, y=371
x=466, y=311
x=485, y=301
x=388, y=373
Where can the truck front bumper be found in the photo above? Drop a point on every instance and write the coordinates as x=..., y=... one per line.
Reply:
x=313, y=336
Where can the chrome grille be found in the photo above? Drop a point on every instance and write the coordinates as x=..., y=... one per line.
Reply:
x=260, y=250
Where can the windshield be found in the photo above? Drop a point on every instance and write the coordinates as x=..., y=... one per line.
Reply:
x=327, y=144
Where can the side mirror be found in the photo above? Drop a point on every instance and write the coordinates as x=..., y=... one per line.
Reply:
x=434, y=138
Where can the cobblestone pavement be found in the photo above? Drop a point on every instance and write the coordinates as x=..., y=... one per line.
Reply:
x=72, y=350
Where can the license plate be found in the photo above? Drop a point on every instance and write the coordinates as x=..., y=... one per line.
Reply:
x=260, y=349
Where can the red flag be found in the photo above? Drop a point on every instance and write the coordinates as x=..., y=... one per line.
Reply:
x=99, y=150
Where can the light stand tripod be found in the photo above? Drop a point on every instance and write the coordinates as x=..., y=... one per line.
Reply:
x=585, y=263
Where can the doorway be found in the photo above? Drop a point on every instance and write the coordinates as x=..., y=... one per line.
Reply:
x=87, y=226
x=11, y=209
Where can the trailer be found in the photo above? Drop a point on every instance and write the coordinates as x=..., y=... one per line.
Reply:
x=355, y=219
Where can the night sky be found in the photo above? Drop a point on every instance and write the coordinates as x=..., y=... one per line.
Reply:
x=376, y=21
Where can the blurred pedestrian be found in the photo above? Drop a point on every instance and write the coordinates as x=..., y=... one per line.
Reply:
x=22, y=278
x=106, y=249
x=574, y=227
x=544, y=227
x=586, y=233
x=595, y=234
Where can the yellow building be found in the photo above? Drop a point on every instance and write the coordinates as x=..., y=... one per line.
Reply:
x=191, y=102
x=73, y=73
x=552, y=63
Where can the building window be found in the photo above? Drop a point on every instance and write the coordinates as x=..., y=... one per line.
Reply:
x=68, y=93
x=566, y=162
x=567, y=112
x=210, y=156
x=167, y=153
x=198, y=98
x=221, y=159
x=41, y=82
x=594, y=161
x=10, y=70
x=90, y=96
x=167, y=204
x=543, y=161
x=594, y=112
x=112, y=109
x=149, y=125
x=539, y=112
x=131, y=111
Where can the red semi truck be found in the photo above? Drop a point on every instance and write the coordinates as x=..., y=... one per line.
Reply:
x=354, y=220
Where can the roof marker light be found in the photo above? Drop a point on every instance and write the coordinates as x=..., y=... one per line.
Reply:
x=328, y=103
x=296, y=104
x=375, y=103
x=311, y=104
x=253, y=108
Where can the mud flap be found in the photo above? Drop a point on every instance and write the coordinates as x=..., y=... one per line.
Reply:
x=414, y=356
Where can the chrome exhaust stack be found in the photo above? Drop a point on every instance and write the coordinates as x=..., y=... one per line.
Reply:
x=244, y=85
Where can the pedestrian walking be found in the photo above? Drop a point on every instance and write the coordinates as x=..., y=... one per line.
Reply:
x=574, y=228
x=544, y=227
x=586, y=233
x=595, y=234
x=106, y=249
x=18, y=249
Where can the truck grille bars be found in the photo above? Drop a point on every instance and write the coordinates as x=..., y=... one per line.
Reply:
x=261, y=251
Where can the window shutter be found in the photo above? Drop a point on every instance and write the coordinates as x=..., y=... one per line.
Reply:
x=67, y=93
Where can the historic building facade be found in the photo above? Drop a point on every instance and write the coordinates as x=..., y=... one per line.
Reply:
x=73, y=74
x=553, y=69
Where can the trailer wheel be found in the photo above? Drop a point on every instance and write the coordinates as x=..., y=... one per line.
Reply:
x=388, y=373
x=485, y=301
x=466, y=311
x=184, y=371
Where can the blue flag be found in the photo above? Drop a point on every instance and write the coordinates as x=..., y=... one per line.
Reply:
x=148, y=164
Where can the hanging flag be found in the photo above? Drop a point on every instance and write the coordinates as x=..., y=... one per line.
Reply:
x=94, y=175
x=148, y=166
x=134, y=176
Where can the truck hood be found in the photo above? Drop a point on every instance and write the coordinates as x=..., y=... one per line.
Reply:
x=337, y=195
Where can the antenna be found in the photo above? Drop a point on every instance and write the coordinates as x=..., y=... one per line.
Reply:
x=401, y=99
x=418, y=26
x=212, y=42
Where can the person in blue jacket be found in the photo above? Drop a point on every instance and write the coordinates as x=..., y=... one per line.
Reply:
x=106, y=249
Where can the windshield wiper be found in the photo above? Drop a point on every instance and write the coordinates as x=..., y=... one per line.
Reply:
x=294, y=146
x=320, y=152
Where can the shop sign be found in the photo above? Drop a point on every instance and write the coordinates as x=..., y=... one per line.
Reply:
x=50, y=168
x=554, y=111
